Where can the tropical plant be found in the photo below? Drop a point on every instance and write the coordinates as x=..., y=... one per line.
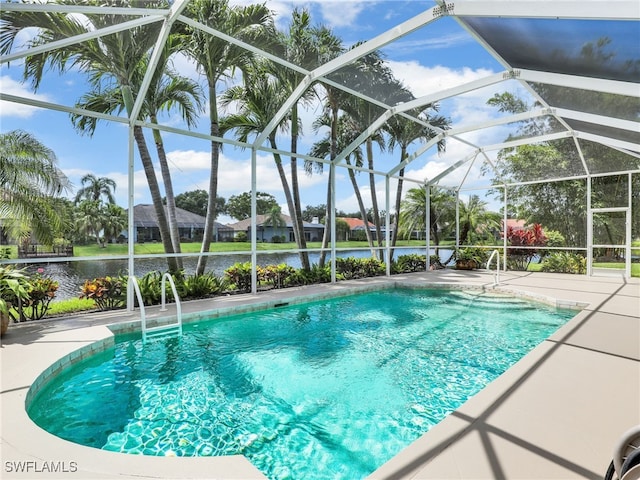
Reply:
x=200, y=286
x=108, y=292
x=14, y=292
x=239, y=276
x=528, y=239
x=470, y=257
x=564, y=262
x=42, y=290
x=29, y=180
x=276, y=275
x=409, y=264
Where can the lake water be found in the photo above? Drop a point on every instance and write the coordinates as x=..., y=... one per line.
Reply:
x=72, y=275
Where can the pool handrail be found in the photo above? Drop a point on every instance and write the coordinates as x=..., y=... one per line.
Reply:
x=165, y=329
x=496, y=276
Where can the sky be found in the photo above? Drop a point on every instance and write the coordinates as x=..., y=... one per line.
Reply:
x=439, y=56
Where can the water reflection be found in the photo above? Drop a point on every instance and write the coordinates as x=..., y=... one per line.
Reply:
x=71, y=275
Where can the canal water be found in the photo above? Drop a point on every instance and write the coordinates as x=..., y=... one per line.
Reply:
x=72, y=275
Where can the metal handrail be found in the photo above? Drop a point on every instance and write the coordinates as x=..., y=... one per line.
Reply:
x=133, y=281
x=163, y=307
x=496, y=276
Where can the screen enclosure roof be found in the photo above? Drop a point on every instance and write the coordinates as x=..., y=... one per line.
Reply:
x=575, y=63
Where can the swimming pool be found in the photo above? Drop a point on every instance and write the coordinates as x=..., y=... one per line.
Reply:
x=327, y=389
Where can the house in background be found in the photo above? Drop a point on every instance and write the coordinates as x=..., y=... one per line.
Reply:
x=190, y=226
x=268, y=233
x=357, y=229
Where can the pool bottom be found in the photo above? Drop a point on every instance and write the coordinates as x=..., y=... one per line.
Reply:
x=320, y=421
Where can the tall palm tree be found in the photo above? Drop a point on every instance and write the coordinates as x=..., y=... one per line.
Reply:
x=346, y=134
x=166, y=90
x=215, y=59
x=109, y=60
x=402, y=133
x=257, y=101
x=96, y=188
x=29, y=179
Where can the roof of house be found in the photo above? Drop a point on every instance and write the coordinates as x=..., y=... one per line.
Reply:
x=355, y=223
x=244, y=225
x=144, y=215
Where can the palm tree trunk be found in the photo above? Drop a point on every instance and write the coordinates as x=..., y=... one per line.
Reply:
x=297, y=212
x=374, y=195
x=394, y=234
x=363, y=211
x=168, y=190
x=283, y=178
x=211, y=215
x=156, y=197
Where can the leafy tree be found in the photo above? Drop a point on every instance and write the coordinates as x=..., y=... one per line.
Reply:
x=239, y=206
x=29, y=180
x=476, y=221
x=194, y=201
x=94, y=188
x=441, y=213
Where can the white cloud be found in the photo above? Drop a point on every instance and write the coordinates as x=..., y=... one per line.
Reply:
x=10, y=86
x=341, y=14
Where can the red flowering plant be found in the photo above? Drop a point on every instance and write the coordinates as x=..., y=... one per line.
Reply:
x=527, y=239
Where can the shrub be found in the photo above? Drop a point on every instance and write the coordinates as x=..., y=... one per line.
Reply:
x=108, y=293
x=239, y=275
x=277, y=275
x=240, y=237
x=351, y=267
x=411, y=263
x=42, y=290
x=564, y=262
x=200, y=286
x=315, y=274
x=519, y=258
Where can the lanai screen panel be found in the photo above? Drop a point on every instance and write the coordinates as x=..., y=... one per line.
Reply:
x=592, y=48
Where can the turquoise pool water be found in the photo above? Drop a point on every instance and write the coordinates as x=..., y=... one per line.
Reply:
x=323, y=390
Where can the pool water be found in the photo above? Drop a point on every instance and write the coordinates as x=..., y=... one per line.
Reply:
x=322, y=390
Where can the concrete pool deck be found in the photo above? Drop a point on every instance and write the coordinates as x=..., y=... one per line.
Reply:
x=557, y=413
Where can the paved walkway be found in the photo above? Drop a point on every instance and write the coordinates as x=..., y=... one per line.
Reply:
x=556, y=414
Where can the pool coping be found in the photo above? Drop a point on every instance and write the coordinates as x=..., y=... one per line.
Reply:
x=23, y=441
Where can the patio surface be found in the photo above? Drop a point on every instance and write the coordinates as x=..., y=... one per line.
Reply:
x=556, y=414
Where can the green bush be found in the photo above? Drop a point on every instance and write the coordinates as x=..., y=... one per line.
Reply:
x=564, y=262
x=352, y=268
x=409, y=264
x=239, y=276
x=108, y=293
x=201, y=286
x=314, y=275
x=276, y=275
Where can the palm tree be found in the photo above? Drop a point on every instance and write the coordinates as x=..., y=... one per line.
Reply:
x=346, y=133
x=257, y=101
x=216, y=58
x=96, y=188
x=475, y=219
x=29, y=178
x=413, y=212
x=90, y=219
x=115, y=220
x=402, y=133
x=166, y=90
x=110, y=59
x=274, y=218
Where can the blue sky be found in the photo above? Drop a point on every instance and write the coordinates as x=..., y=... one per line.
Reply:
x=439, y=56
